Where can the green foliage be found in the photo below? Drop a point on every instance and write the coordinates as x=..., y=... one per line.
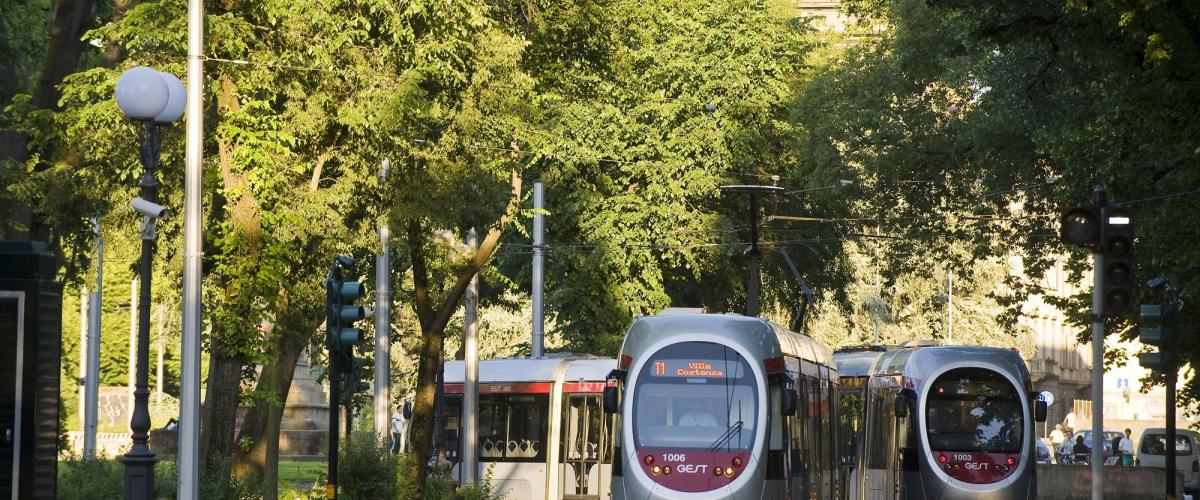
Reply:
x=80, y=479
x=968, y=127
x=367, y=469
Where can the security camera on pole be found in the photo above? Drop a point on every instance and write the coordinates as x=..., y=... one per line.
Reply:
x=152, y=98
x=1108, y=233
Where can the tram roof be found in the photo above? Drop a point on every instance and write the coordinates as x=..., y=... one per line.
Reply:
x=918, y=362
x=751, y=331
x=855, y=363
x=534, y=370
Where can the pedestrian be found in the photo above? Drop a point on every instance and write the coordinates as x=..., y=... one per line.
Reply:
x=1126, y=447
x=398, y=424
x=1057, y=436
x=1080, y=451
x=1069, y=421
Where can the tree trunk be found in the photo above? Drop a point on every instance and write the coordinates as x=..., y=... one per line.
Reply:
x=433, y=323
x=263, y=422
x=72, y=18
x=219, y=419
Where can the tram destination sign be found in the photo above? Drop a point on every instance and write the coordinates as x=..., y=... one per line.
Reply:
x=694, y=368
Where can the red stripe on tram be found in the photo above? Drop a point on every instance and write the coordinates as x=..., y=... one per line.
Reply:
x=509, y=387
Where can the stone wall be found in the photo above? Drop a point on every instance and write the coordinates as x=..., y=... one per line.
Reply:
x=1062, y=482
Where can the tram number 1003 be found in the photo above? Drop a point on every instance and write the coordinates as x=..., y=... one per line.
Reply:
x=674, y=457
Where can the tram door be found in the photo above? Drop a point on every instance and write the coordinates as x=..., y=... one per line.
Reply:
x=586, y=458
x=882, y=461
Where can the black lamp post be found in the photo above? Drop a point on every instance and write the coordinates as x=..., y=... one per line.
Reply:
x=152, y=98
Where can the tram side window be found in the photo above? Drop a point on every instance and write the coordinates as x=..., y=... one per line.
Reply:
x=585, y=440
x=512, y=427
x=452, y=410
x=880, y=428
x=850, y=418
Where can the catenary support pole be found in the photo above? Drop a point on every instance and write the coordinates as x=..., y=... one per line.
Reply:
x=382, y=387
x=470, y=407
x=755, y=256
x=1098, y=364
x=92, y=392
x=84, y=298
x=949, y=306
x=539, y=224
x=189, y=377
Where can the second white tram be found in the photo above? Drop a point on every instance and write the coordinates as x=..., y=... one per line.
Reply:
x=948, y=422
x=716, y=406
x=542, y=432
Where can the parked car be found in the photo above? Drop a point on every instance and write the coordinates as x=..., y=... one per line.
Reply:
x=1043, y=452
x=1152, y=453
x=1064, y=450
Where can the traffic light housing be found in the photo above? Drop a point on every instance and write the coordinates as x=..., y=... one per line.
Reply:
x=1080, y=226
x=1116, y=235
x=1156, y=330
x=341, y=311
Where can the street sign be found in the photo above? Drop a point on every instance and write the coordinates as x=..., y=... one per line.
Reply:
x=1046, y=396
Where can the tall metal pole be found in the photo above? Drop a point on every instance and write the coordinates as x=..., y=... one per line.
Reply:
x=158, y=373
x=92, y=392
x=755, y=256
x=1170, y=376
x=1098, y=362
x=950, y=306
x=133, y=332
x=383, y=326
x=334, y=425
x=539, y=225
x=1171, y=362
x=189, y=366
x=139, y=461
x=84, y=298
x=470, y=407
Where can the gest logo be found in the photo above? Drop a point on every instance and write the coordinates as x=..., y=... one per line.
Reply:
x=692, y=469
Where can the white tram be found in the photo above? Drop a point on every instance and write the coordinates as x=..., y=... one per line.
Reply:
x=948, y=422
x=542, y=431
x=716, y=406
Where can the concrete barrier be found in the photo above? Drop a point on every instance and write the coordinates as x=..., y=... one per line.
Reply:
x=1062, y=482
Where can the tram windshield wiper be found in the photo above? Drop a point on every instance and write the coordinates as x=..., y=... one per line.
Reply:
x=734, y=429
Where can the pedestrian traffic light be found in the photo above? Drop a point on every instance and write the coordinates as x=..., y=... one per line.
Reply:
x=1081, y=226
x=1117, y=238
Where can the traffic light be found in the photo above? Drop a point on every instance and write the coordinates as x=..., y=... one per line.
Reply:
x=341, y=312
x=1117, y=238
x=1081, y=226
x=354, y=381
x=1156, y=330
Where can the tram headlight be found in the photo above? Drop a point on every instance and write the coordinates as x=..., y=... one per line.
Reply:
x=729, y=472
x=656, y=470
x=667, y=470
x=737, y=462
x=718, y=471
x=648, y=460
x=1012, y=461
x=942, y=458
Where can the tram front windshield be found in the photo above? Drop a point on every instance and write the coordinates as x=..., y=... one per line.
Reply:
x=695, y=395
x=973, y=409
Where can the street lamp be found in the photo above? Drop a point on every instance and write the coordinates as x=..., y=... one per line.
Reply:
x=152, y=98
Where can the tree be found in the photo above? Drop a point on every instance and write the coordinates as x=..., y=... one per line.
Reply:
x=975, y=125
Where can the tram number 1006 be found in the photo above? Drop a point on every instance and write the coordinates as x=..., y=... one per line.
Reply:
x=674, y=457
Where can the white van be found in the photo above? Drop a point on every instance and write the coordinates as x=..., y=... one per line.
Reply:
x=1152, y=453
